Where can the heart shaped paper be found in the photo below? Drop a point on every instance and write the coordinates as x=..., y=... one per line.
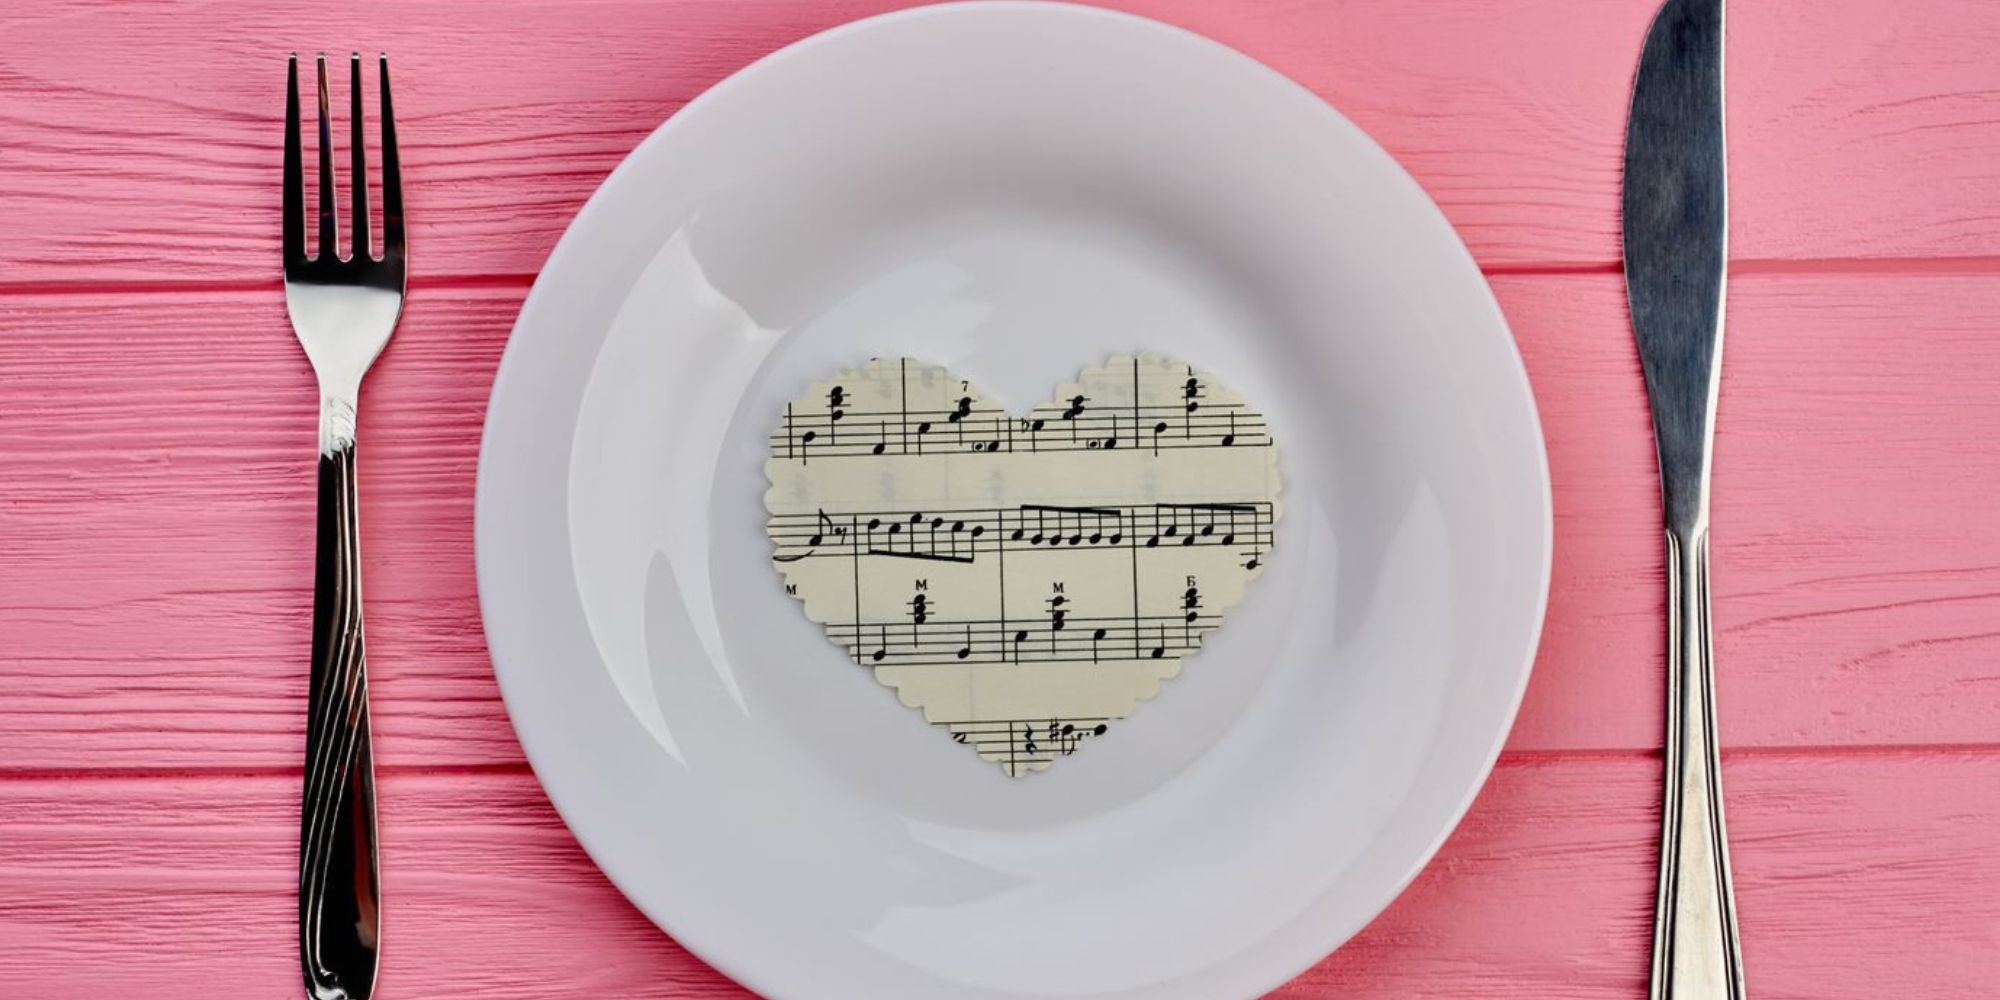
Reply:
x=1024, y=581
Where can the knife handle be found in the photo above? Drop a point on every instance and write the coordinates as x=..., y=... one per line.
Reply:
x=1695, y=951
x=339, y=901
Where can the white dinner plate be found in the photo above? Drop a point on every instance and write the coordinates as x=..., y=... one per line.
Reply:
x=1014, y=190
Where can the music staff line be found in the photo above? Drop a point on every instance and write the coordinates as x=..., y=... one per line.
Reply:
x=841, y=433
x=1025, y=741
x=1085, y=620
x=961, y=535
x=1059, y=639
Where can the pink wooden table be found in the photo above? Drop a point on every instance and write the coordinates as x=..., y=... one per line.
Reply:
x=157, y=428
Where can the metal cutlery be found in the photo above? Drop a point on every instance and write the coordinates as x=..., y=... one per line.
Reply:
x=343, y=310
x=1676, y=230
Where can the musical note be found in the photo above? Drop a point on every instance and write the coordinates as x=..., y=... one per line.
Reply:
x=1076, y=525
x=823, y=526
x=1066, y=735
x=1041, y=527
x=1108, y=441
x=1021, y=577
x=1191, y=396
x=1064, y=638
x=992, y=428
x=1197, y=523
x=1058, y=617
x=805, y=438
x=1034, y=425
x=900, y=428
x=1190, y=605
x=1021, y=744
x=1071, y=414
x=968, y=534
x=796, y=444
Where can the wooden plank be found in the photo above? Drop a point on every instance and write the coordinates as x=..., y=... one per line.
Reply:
x=1860, y=876
x=1856, y=576
x=109, y=885
x=1857, y=877
x=157, y=524
x=1863, y=129
x=130, y=159
x=157, y=514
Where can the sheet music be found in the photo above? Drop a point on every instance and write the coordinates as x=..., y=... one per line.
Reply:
x=1024, y=581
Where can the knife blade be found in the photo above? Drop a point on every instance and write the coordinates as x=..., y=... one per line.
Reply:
x=1676, y=239
x=1675, y=219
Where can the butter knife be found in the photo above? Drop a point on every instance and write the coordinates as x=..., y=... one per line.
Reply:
x=1676, y=234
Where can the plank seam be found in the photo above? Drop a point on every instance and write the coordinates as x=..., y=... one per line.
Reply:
x=1802, y=267
x=1511, y=758
x=208, y=773
x=274, y=285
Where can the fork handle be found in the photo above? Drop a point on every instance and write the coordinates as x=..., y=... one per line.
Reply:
x=1695, y=951
x=338, y=872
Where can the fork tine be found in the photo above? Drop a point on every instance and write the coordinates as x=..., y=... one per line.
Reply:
x=359, y=246
x=392, y=177
x=295, y=180
x=329, y=221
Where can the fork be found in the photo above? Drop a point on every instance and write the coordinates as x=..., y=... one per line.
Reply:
x=343, y=310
